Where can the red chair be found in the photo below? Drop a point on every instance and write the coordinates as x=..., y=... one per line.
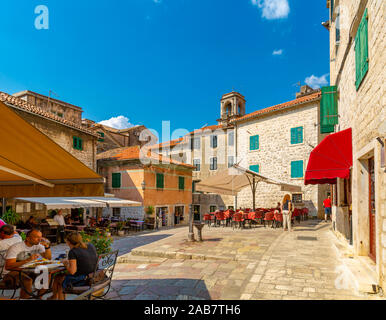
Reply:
x=237, y=220
x=305, y=213
x=296, y=215
x=269, y=216
x=220, y=218
x=278, y=219
x=207, y=219
x=259, y=216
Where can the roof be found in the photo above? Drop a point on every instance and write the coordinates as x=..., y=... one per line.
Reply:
x=301, y=100
x=133, y=153
x=26, y=92
x=167, y=144
x=28, y=107
x=99, y=125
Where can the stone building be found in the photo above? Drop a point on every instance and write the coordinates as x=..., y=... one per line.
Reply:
x=148, y=178
x=59, y=108
x=276, y=142
x=357, y=75
x=111, y=138
x=71, y=136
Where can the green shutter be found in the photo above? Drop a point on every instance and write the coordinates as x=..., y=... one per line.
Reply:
x=160, y=180
x=296, y=135
x=254, y=142
x=361, y=51
x=328, y=109
x=181, y=183
x=116, y=180
x=297, y=169
x=75, y=142
x=255, y=168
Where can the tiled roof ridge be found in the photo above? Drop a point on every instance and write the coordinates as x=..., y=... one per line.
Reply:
x=26, y=106
x=292, y=103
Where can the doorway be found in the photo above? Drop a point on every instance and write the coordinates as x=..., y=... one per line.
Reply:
x=162, y=216
x=372, y=213
x=178, y=214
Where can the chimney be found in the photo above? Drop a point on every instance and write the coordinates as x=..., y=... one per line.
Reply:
x=305, y=90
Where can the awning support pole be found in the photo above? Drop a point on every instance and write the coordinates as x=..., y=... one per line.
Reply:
x=254, y=194
x=22, y=175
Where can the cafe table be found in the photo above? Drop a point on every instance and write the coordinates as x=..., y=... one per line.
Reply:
x=53, y=269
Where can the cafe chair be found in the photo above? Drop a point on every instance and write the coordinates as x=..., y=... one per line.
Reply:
x=269, y=216
x=97, y=281
x=11, y=283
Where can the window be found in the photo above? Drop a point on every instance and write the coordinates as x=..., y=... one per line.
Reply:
x=194, y=185
x=77, y=143
x=254, y=142
x=337, y=27
x=255, y=168
x=231, y=161
x=361, y=51
x=116, y=180
x=117, y=212
x=213, y=163
x=297, y=135
x=196, y=213
x=231, y=138
x=60, y=114
x=102, y=136
x=181, y=183
x=196, y=143
x=160, y=180
x=212, y=208
x=297, y=169
x=213, y=141
x=328, y=109
x=297, y=198
x=197, y=163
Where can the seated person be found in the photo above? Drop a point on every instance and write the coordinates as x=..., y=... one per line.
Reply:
x=8, y=237
x=82, y=260
x=31, y=223
x=24, y=252
x=278, y=208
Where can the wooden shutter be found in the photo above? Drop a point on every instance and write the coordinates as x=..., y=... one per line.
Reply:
x=361, y=51
x=297, y=169
x=116, y=180
x=160, y=180
x=254, y=142
x=255, y=168
x=328, y=109
x=296, y=135
x=181, y=183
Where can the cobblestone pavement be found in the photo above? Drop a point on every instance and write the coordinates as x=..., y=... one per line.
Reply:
x=258, y=263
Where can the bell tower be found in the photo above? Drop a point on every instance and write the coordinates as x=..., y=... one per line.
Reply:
x=232, y=106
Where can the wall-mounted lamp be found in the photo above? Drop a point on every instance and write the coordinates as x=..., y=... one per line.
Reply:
x=143, y=184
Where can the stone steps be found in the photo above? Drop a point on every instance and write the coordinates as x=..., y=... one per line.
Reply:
x=133, y=259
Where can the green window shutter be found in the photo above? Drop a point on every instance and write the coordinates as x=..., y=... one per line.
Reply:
x=296, y=135
x=254, y=142
x=102, y=136
x=297, y=169
x=75, y=142
x=160, y=180
x=80, y=144
x=328, y=109
x=116, y=180
x=361, y=51
x=181, y=183
x=255, y=168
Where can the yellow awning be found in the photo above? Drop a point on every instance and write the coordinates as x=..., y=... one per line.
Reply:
x=29, y=157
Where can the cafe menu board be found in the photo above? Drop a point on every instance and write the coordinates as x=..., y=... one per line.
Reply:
x=52, y=222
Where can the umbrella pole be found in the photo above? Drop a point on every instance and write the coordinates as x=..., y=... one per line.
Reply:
x=254, y=194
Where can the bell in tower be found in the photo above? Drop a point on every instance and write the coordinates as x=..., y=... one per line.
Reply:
x=232, y=106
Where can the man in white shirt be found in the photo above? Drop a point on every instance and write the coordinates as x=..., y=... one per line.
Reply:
x=24, y=252
x=60, y=231
x=8, y=237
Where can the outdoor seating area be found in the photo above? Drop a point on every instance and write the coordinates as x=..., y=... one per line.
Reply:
x=247, y=218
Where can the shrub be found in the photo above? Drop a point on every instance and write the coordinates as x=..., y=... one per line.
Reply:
x=99, y=239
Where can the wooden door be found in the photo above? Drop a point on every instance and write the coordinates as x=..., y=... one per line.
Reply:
x=372, y=213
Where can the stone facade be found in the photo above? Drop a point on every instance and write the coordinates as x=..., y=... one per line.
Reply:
x=276, y=152
x=60, y=108
x=364, y=111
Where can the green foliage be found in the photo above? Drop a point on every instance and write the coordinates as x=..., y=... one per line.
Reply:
x=149, y=210
x=23, y=236
x=99, y=239
x=11, y=217
x=120, y=225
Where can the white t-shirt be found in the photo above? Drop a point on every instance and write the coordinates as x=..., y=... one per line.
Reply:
x=6, y=243
x=59, y=219
x=20, y=251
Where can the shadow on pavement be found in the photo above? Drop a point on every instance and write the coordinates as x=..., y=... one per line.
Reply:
x=125, y=245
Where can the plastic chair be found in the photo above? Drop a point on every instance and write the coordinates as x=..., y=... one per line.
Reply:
x=278, y=219
x=237, y=220
x=220, y=217
x=269, y=216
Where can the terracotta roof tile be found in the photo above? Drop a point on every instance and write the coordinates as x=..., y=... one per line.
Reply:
x=26, y=106
x=292, y=103
x=133, y=153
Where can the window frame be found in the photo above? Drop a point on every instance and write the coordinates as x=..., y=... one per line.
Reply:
x=211, y=165
x=250, y=143
x=254, y=165
x=115, y=174
x=199, y=165
x=181, y=179
x=291, y=172
x=159, y=174
x=77, y=143
x=296, y=143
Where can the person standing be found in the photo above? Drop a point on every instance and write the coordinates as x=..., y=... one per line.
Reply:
x=287, y=212
x=61, y=224
x=327, y=208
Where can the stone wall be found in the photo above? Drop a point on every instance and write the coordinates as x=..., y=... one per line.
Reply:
x=63, y=136
x=275, y=154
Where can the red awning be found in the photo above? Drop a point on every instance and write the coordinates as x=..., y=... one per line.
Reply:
x=331, y=159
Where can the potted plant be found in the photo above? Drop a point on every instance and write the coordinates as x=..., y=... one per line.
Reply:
x=120, y=226
x=100, y=240
x=11, y=217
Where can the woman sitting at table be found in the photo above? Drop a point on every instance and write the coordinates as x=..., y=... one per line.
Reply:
x=31, y=223
x=82, y=260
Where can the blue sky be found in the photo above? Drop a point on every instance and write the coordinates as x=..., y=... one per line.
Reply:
x=171, y=60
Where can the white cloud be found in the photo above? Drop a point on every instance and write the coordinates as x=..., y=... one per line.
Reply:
x=273, y=9
x=120, y=122
x=277, y=52
x=316, y=82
